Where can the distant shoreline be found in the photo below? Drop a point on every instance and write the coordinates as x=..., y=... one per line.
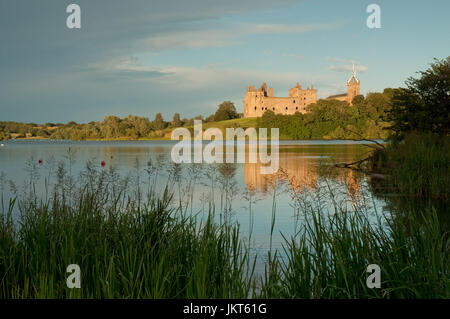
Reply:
x=167, y=139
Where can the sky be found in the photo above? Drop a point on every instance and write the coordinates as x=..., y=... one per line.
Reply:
x=142, y=57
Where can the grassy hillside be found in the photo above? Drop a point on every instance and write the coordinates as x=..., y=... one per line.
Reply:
x=222, y=125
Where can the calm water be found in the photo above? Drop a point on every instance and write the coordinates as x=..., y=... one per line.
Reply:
x=306, y=179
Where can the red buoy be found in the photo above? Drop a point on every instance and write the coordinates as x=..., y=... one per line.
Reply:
x=40, y=161
x=103, y=163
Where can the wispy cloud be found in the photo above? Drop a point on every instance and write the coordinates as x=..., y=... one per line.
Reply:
x=201, y=78
x=226, y=36
x=291, y=55
x=285, y=28
x=348, y=68
x=345, y=65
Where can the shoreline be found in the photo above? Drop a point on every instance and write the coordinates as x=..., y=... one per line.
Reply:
x=168, y=139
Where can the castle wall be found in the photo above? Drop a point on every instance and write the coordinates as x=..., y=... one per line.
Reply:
x=257, y=102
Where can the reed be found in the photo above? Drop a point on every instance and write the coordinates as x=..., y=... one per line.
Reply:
x=328, y=258
x=418, y=166
x=124, y=250
x=131, y=243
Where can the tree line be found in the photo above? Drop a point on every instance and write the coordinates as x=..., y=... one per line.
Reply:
x=112, y=127
x=325, y=119
x=423, y=106
x=333, y=119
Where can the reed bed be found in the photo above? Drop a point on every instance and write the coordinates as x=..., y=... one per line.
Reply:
x=133, y=242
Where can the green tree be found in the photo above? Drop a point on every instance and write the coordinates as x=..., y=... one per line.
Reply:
x=226, y=111
x=158, y=123
x=3, y=136
x=210, y=118
x=176, y=122
x=110, y=127
x=424, y=105
x=358, y=99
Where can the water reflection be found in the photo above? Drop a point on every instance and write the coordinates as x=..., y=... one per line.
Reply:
x=238, y=192
x=301, y=168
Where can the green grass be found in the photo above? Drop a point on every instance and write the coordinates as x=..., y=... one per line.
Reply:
x=124, y=250
x=241, y=122
x=236, y=123
x=145, y=254
x=154, y=254
x=418, y=166
x=128, y=247
x=329, y=258
x=223, y=125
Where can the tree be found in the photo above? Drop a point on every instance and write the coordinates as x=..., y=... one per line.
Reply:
x=158, y=123
x=176, y=122
x=210, y=118
x=226, y=111
x=377, y=104
x=359, y=99
x=110, y=127
x=424, y=105
x=3, y=136
x=187, y=122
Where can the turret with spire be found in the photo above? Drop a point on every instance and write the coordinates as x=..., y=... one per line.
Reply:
x=352, y=86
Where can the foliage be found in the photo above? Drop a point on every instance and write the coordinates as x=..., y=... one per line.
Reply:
x=176, y=122
x=332, y=119
x=329, y=257
x=158, y=123
x=418, y=166
x=226, y=111
x=424, y=105
x=126, y=247
x=4, y=136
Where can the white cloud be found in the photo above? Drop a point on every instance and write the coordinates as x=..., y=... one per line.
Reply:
x=225, y=36
x=286, y=28
x=348, y=68
x=291, y=55
x=346, y=65
x=212, y=77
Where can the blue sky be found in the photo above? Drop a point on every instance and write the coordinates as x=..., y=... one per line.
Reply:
x=142, y=57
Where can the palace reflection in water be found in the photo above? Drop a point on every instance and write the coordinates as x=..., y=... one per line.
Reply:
x=301, y=169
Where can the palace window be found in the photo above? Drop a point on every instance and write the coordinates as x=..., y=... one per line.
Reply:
x=296, y=107
x=255, y=108
x=286, y=108
x=273, y=108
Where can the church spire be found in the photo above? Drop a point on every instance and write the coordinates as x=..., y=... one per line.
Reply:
x=353, y=77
